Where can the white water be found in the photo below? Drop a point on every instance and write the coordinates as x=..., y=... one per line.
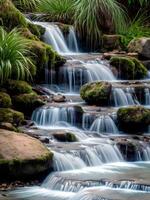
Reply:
x=104, y=124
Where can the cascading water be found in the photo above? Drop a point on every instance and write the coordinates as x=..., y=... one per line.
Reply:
x=54, y=36
x=54, y=116
x=104, y=124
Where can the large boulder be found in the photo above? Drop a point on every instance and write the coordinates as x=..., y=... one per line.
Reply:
x=97, y=93
x=141, y=46
x=5, y=100
x=22, y=156
x=128, y=67
x=134, y=119
x=11, y=116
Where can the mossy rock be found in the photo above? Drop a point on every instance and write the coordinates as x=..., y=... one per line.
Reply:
x=27, y=103
x=25, y=32
x=140, y=46
x=10, y=16
x=43, y=55
x=129, y=68
x=133, y=119
x=22, y=157
x=11, y=116
x=65, y=137
x=36, y=29
x=5, y=100
x=97, y=93
x=16, y=87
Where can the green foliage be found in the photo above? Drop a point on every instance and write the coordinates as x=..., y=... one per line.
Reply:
x=14, y=62
x=58, y=10
x=26, y=4
x=136, y=28
x=91, y=15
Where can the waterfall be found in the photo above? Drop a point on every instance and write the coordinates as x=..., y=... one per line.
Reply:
x=147, y=96
x=72, y=40
x=104, y=124
x=73, y=75
x=54, y=116
x=87, y=120
x=62, y=162
x=54, y=36
x=122, y=98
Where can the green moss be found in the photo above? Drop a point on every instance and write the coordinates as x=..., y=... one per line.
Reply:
x=43, y=55
x=128, y=67
x=15, y=87
x=133, y=119
x=27, y=103
x=25, y=32
x=97, y=93
x=70, y=137
x=5, y=100
x=21, y=169
x=10, y=16
x=36, y=29
x=11, y=116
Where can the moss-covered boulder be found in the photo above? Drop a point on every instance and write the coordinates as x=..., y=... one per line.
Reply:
x=10, y=16
x=65, y=136
x=11, y=116
x=141, y=46
x=133, y=119
x=43, y=55
x=97, y=93
x=5, y=100
x=27, y=103
x=16, y=87
x=128, y=67
x=22, y=157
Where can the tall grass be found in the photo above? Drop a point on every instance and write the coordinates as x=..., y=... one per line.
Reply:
x=14, y=62
x=90, y=15
x=58, y=10
x=136, y=28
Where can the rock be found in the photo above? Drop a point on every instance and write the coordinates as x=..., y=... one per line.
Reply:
x=7, y=126
x=134, y=119
x=111, y=42
x=97, y=93
x=22, y=156
x=129, y=68
x=42, y=54
x=5, y=100
x=44, y=140
x=11, y=116
x=65, y=137
x=140, y=46
x=27, y=103
x=15, y=87
x=59, y=98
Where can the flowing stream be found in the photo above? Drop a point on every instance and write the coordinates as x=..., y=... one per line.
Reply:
x=93, y=168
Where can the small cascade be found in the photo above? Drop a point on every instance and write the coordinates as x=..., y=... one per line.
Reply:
x=62, y=162
x=147, y=96
x=122, y=98
x=54, y=116
x=54, y=36
x=104, y=124
x=72, y=40
x=73, y=75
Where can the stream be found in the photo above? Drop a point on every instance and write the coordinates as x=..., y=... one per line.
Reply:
x=94, y=167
